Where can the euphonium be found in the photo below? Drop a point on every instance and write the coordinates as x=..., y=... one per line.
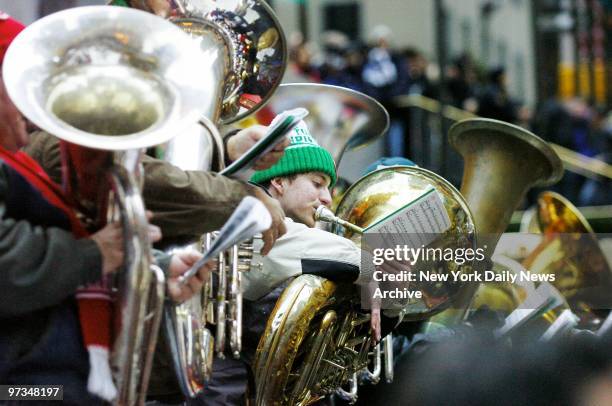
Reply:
x=317, y=337
x=108, y=82
x=501, y=163
x=570, y=251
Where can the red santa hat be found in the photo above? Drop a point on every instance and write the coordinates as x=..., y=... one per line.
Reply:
x=9, y=28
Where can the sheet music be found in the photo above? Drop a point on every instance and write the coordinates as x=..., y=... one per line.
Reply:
x=249, y=218
x=414, y=224
x=277, y=131
x=538, y=302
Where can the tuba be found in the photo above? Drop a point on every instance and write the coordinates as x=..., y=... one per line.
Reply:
x=112, y=82
x=247, y=47
x=570, y=251
x=501, y=163
x=317, y=338
x=534, y=317
x=340, y=119
x=247, y=50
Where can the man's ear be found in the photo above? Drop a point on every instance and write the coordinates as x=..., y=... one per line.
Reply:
x=276, y=186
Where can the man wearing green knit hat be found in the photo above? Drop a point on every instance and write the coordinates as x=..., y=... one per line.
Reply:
x=301, y=179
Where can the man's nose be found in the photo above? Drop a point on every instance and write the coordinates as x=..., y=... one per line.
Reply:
x=325, y=198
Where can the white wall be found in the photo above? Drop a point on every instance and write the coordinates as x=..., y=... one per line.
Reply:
x=25, y=11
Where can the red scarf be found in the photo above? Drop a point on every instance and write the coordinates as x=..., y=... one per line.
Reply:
x=94, y=301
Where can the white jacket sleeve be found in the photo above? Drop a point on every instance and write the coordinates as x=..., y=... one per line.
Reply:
x=305, y=250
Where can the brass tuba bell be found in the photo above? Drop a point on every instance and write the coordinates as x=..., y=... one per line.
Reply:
x=570, y=251
x=340, y=119
x=501, y=163
x=109, y=81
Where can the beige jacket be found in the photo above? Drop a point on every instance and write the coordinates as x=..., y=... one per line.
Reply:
x=185, y=204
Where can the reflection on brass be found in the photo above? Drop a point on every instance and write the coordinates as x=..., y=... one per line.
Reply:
x=501, y=163
x=243, y=38
x=571, y=252
x=268, y=39
x=315, y=339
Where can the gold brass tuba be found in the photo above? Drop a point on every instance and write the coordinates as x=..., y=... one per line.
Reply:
x=501, y=163
x=108, y=82
x=570, y=251
x=317, y=337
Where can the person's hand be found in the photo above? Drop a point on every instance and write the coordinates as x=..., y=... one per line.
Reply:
x=110, y=242
x=153, y=231
x=179, y=264
x=277, y=228
x=375, y=324
x=13, y=134
x=242, y=141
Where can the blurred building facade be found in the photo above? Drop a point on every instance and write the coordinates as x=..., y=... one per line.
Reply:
x=548, y=47
x=534, y=40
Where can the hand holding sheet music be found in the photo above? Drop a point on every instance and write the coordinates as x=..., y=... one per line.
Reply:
x=277, y=131
x=249, y=218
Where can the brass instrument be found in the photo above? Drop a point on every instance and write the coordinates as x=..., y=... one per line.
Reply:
x=109, y=82
x=243, y=39
x=244, y=43
x=340, y=119
x=246, y=49
x=570, y=251
x=501, y=163
x=317, y=337
x=505, y=297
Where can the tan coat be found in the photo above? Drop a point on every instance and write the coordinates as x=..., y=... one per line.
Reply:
x=185, y=204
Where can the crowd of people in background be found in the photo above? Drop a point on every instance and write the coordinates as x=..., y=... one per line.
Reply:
x=385, y=73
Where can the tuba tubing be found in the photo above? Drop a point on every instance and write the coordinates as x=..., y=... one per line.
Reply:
x=388, y=357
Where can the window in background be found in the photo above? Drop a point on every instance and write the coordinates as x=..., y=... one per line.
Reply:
x=343, y=17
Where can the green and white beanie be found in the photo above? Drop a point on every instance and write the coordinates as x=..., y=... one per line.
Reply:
x=301, y=156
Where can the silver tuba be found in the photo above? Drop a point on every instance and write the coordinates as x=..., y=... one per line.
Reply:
x=247, y=48
x=109, y=82
x=340, y=119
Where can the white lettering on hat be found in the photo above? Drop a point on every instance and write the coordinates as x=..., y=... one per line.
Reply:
x=301, y=137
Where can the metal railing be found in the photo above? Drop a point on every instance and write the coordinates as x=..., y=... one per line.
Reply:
x=427, y=145
x=573, y=161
